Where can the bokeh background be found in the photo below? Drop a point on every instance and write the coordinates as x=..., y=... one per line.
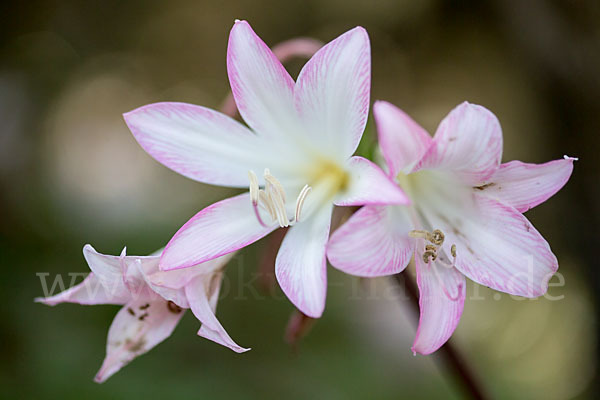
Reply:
x=71, y=173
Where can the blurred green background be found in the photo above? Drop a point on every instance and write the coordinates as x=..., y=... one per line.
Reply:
x=71, y=173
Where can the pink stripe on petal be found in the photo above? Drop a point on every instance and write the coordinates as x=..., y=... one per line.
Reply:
x=401, y=139
x=197, y=142
x=373, y=242
x=219, y=229
x=498, y=247
x=300, y=266
x=468, y=142
x=332, y=92
x=368, y=184
x=524, y=186
x=262, y=88
x=442, y=292
x=198, y=292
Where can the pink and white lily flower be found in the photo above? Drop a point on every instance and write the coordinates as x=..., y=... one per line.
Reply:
x=465, y=219
x=295, y=157
x=153, y=302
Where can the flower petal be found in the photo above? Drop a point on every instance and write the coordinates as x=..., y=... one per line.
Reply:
x=373, y=242
x=137, y=327
x=170, y=285
x=332, y=92
x=368, y=184
x=108, y=270
x=88, y=292
x=442, y=292
x=468, y=142
x=198, y=292
x=524, y=186
x=262, y=88
x=197, y=142
x=498, y=247
x=219, y=229
x=300, y=266
x=402, y=140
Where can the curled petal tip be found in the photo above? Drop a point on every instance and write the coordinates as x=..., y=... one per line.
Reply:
x=566, y=157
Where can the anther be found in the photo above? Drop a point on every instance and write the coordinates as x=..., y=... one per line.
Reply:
x=437, y=237
x=453, y=250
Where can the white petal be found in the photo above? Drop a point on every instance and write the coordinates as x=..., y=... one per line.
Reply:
x=402, y=140
x=468, y=142
x=332, y=92
x=138, y=326
x=497, y=246
x=300, y=266
x=368, y=184
x=524, y=186
x=219, y=229
x=88, y=292
x=108, y=270
x=262, y=88
x=373, y=242
x=198, y=143
x=442, y=292
x=198, y=292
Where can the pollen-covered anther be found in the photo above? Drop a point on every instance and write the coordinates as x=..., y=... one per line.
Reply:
x=272, y=199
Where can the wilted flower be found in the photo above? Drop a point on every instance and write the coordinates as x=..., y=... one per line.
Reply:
x=153, y=302
x=298, y=150
x=465, y=219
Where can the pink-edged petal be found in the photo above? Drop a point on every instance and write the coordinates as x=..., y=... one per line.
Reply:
x=109, y=272
x=202, y=294
x=197, y=142
x=498, y=247
x=524, y=186
x=442, y=291
x=373, y=242
x=401, y=139
x=300, y=266
x=219, y=229
x=88, y=292
x=332, y=92
x=468, y=142
x=170, y=285
x=262, y=88
x=368, y=184
x=138, y=326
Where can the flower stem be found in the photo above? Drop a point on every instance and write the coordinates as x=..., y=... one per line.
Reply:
x=452, y=357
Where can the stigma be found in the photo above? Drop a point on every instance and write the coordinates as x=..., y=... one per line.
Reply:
x=272, y=199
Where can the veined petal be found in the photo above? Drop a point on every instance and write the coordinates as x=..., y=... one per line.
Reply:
x=498, y=247
x=108, y=271
x=88, y=292
x=373, y=242
x=219, y=229
x=300, y=266
x=138, y=326
x=468, y=142
x=368, y=184
x=202, y=294
x=332, y=92
x=442, y=292
x=263, y=90
x=197, y=142
x=524, y=186
x=171, y=284
x=402, y=140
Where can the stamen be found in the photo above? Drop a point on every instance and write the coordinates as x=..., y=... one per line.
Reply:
x=437, y=237
x=300, y=201
x=272, y=199
x=254, y=189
